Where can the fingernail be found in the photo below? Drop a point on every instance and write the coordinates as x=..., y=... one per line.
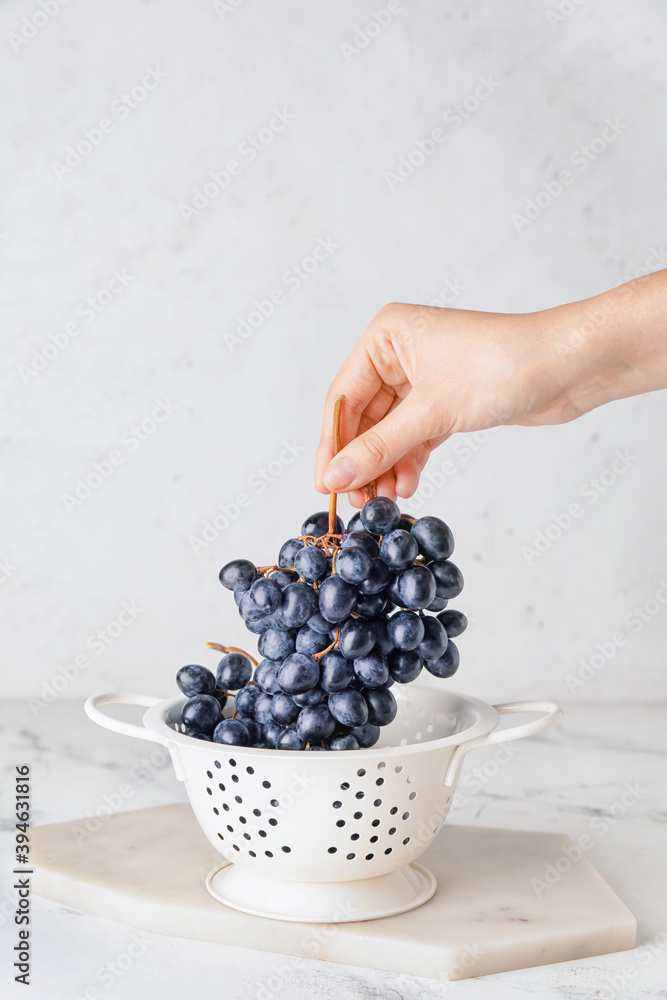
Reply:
x=340, y=474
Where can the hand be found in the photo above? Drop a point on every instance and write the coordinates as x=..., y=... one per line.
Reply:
x=420, y=374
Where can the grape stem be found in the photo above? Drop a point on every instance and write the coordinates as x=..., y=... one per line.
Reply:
x=230, y=649
x=333, y=497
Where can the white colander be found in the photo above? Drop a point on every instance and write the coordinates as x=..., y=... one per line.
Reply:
x=329, y=836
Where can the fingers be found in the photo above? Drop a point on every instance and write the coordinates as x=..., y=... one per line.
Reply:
x=377, y=450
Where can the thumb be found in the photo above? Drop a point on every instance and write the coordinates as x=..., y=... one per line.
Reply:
x=379, y=448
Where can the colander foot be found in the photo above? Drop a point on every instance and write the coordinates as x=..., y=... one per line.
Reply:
x=322, y=902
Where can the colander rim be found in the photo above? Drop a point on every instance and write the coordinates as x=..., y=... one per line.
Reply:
x=154, y=719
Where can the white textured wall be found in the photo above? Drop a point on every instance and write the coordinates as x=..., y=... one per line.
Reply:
x=165, y=335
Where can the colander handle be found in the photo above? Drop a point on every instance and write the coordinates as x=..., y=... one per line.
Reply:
x=551, y=714
x=116, y=726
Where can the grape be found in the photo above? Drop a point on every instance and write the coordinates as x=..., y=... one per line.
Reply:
x=377, y=579
x=231, y=731
x=262, y=709
x=438, y=604
x=382, y=706
x=434, y=642
x=266, y=676
x=288, y=551
x=343, y=742
x=382, y=640
x=336, y=671
x=283, y=577
x=196, y=734
x=405, y=629
x=398, y=549
x=453, y=622
x=248, y=609
x=380, y=515
x=201, y=712
x=310, y=641
x=355, y=524
x=283, y=709
x=220, y=697
x=299, y=603
x=372, y=604
x=434, y=538
x=276, y=645
x=311, y=697
x=361, y=540
x=366, y=735
x=315, y=723
x=288, y=740
x=448, y=578
x=244, y=702
x=266, y=595
x=311, y=563
x=348, y=707
x=194, y=679
x=238, y=574
x=270, y=733
x=372, y=669
x=318, y=524
x=234, y=671
x=447, y=664
x=416, y=587
x=405, y=665
x=336, y=598
x=254, y=729
x=353, y=564
x=357, y=637
x=259, y=627
x=298, y=673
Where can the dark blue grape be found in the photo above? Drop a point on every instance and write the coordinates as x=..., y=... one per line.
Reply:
x=434, y=642
x=353, y=565
x=311, y=563
x=372, y=669
x=405, y=665
x=298, y=673
x=434, y=538
x=244, y=702
x=231, y=731
x=248, y=609
x=239, y=574
x=283, y=577
x=354, y=524
x=312, y=697
x=405, y=629
x=194, y=679
x=366, y=735
x=288, y=740
x=288, y=551
x=276, y=621
x=377, y=579
x=398, y=549
x=372, y=604
x=336, y=598
x=382, y=706
x=270, y=733
x=453, y=622
x=319, y=624
x=196, y=734
x=310, y=641
x=361, y=540
x=382, y=640
x=234, y=671
x=315, y=723
x=283, y=709
x=416, y=587
x=201, y=712
x=262, y=709
x=276, y=645
x=336, y=671
x=348, y=707
x=406, y=522
x=380, y=515
x=447, y=664
x=448, y=578
x=299, y=603
x=266, y=676
x=318, y=524
x=357, y=637
x=254, y=729
x=257, y=628
x=438, y=604
x=266, y=594
x=347, y=742
x=220, y=697
x=393, y=589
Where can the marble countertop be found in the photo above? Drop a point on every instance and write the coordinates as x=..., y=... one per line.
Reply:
x=599, y=776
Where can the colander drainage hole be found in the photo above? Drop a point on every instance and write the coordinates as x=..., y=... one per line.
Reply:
x=209, y=790
x=237, y=798
x=232, y=762
x=216, y=810
x=253, y=855
x=209, y=774
x=379, y=781
x=247, y=836
x=217, y=763
x=345, y=785
x=392, y=831
x=355, y=836
x=369, y=857
x=393, y=810
x=406, y=815
x=225, y=807
x=340, y=822
x=250, y=770
x=273, y=822
x=262, y=833
x=332, y=850
x=374, y=839
x=266, y=784
x=388, y=850
x=275, y=803
x=407, y=840
x=376, y=822
x=361, y=772
x=221, y=836
x=412, y=795
x=221, y=787
x=358, y=815
x=230, y=828
x=337, y=804
x=359, y=795
x=242, y=819
x=287, y=850
x=382, y=765
x=410, y=778
x=257, y=812
x=398, y=768
x=269, y=854
x=235, y=777
x=351, y=856
x=236, y=847
x=377, y=802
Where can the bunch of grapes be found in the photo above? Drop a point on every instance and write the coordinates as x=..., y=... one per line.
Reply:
x=341, y=617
